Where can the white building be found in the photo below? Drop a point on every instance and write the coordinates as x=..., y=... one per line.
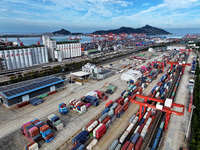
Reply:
x=131, y=75
x=62, y=50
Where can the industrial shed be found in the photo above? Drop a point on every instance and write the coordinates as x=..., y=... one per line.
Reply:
x=105, y=74
x=26, y=92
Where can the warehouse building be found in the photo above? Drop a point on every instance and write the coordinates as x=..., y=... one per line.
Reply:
x=16, y=95
x=104, y=74
x=24, y=57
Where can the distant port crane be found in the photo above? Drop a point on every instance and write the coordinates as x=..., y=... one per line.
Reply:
x=39, y=41
x=20, y=42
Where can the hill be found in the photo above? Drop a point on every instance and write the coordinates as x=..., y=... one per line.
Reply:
x=149, y=30
x=62, y=32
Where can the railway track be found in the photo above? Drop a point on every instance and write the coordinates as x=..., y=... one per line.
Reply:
x=148, y=144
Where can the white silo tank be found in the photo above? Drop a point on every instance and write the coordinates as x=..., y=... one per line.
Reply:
x=12, y=58
x=75, y=53
x=7, y=59
x=4, y=61
x=33, y=56
x=43, y=55
x=71, y=49
x=39, y=55
x=21, y=56
x=68, y=51
x=76, y=49
x=79, y=49
x=35, y=53
x=30, y=57
x=46, y=55
x=25, y=51
x=17, y=58
x=66, y=55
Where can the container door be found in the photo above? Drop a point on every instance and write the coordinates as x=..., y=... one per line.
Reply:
x=25, y=98
x=52, y=88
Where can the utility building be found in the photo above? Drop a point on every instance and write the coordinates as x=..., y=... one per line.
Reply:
x=13, y=96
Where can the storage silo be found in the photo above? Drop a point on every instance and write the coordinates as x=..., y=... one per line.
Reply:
x=71, y=50
x=46, y=55
x=4, y=61
x=68, y=51
x=36, y=55
x=39, y=55
x=30, y=57
x=25, y=51
x=65, y=51
x=21, y=56
x=7, y=59
x=12, y=58
x=79, y=49
x=43, y=57
x=64, y=54
x=17, y=58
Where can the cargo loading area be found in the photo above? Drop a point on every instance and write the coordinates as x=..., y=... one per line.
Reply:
x=74, y=121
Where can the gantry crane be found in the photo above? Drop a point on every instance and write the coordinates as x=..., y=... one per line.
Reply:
x=20, y=42
x=184, y=50
x=39, y=41
x=176, y=63
x=166, y=108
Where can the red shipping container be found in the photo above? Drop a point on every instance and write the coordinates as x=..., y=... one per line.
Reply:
x=105, y=97
x=137, y=84
x=63, y=105
x=109, y=103
x=139, y=143
x=26, y=125
x=52, y=92
x=101, y=131
x=33, y=131
x=140, y=128
x=106, y=120
x=49, y=136
x=116, y=110
x=125, y=146
x=36, y=121
x=126, y=105
x=121, y=101
x=44, y=128
x=131, y=146
x=117, y=100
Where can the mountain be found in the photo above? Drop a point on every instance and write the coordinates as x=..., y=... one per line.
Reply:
x=62, y=32
x=149, y=30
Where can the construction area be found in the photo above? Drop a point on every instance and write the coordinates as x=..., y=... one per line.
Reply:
x=154, y=75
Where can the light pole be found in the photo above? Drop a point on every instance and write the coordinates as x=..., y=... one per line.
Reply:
x=193, y=107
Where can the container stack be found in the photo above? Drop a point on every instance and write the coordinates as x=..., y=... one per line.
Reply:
x=36, y=130
x=55, y=122
x=78, y=106
x=63, y=109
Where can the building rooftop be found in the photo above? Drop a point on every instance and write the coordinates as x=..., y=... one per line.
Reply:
x=33, y=86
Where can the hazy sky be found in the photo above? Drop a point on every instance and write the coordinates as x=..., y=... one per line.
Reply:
x=90, y=15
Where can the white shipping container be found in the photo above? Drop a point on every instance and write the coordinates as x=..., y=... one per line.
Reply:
x=145, y=115
x=149, y=121
x=60, y=127
x=21, y=56
x=92, y=144
x=126, y=99
x=34, y=147
x=135, y=120
x=130, y=127
x=12, y=57
x=95, y=130
x=136, y=129
x=83, y=108
x=149, y=108
x=123, y=137
x=16, y=53
x=92, y=126
x=157, y=94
